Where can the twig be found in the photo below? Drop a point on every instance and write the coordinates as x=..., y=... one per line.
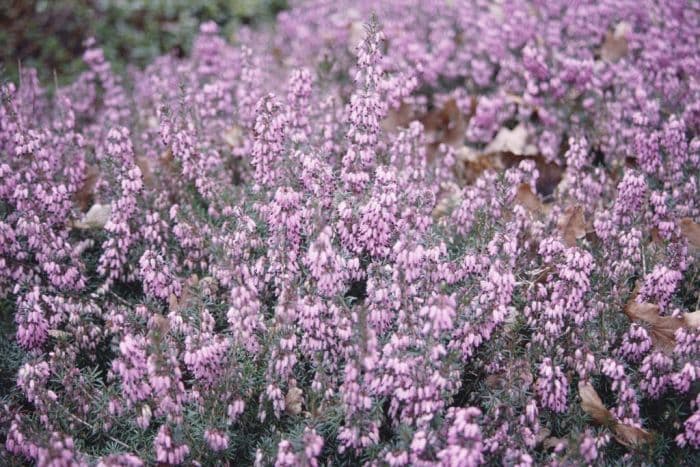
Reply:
x=111, y=438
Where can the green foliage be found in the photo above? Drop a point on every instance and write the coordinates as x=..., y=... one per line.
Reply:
x=49, y=34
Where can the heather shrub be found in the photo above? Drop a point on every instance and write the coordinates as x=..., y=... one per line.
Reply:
x=465, y=235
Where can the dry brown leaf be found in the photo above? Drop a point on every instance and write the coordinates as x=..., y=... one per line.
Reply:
x=631, y=436
x=145, y=165
x=615, y=45
x=398, y=118
x=293, y=401
x=663, y=328
x=627, y=435
x=691, y=231
x=175, y=302
x=551, y=174
x=83, y=197
x=656, y=236
x=529, y=200
x=96, y=217
x=474, y=163
x=232, y=136
x=692, y=320
x=572, y=224
x=58, y=334
x=542, y=435
x=554, y=442
x=592, y=404
x=447, y=198
x=447, y=125
x=514, y=141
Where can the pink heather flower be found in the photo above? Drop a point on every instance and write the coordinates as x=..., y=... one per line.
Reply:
x=216, y=440
x=234, y=410
x=32, y=325
x=659, y=286
x=464, y=439
x=627, y=409
x=157, y=280
x=630, y=197
x=439, y=315
x=552, y=386
x=270, y=132
x=120, y=460
x=636, y=342
x=131, y=368
x=167, y=450
x=59, y=452
x=313, y=444
x=326, y=264
x=691, y=435
x=687, y=342
x=310, y=449
x=299, y=92
x=588, y=449
x=244, y=317
x=206, y=353
x=32, y=379
x=683, y=379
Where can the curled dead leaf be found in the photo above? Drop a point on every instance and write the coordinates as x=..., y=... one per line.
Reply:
x=558, y=444
x=513, y=141
x=631, y=436
x=232, y=136
x=96, y=217
x=592, y=404
x=692, y=320
x=691, y=231
x=663, y=328
x=572, y=225
x=58, y=334
x=529, y=200
x=146, y=166
x=446, y=125
x=83, y=197
x=293, y=401
x=615, y=45
x=398, y=118
x=627, y=435
x=448, y=197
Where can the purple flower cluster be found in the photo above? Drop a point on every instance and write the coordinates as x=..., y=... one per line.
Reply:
x=398, y=239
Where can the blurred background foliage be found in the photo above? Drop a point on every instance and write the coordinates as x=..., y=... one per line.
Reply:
x=49, y=34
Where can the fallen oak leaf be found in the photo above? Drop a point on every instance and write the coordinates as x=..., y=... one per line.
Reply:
x=96, y=217
x=663, y=328
x=513, y=141
x=447, y=125
x=398, y=118
x=557, y=444
x=691, y=231
x=530, y=201
x=146, y=166
x=83, y=197
x=615, y=45
x=233, y=136
x=293, y=401
x=593, y=405
x=572, y=225
x=627, y=435
x=631, y=436
x=448, y=197
x=692, y=320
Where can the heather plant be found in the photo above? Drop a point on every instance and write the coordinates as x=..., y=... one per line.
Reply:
x=463, y=236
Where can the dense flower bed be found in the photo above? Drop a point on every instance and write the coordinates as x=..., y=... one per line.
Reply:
x=448, y=234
